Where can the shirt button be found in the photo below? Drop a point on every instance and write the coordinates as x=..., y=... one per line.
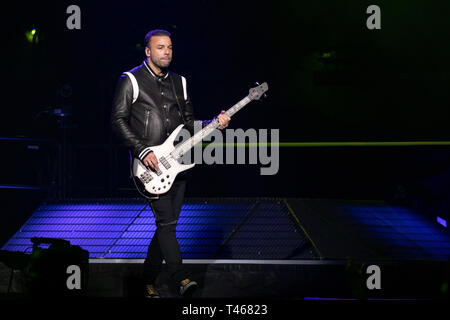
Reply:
x=167, y=119
x=164, y=106
x=162, y=93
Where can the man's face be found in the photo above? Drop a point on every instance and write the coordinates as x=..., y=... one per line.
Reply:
x=160, y=52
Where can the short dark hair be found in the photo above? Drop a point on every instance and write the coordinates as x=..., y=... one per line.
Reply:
x=156, y=32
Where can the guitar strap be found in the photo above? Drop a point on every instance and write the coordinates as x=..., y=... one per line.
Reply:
x=180, y=108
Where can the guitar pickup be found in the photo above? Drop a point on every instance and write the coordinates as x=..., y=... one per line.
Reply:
x=146, y=177
x=164, y=162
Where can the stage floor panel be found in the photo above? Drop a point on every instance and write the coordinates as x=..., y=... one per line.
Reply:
x=207, y=229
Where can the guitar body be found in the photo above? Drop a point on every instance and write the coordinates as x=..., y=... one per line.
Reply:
x=153, y=182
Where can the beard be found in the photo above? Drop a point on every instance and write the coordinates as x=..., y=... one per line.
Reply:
x=162, y=64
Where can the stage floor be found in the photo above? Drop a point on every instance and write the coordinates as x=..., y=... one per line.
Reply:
x=255, y=247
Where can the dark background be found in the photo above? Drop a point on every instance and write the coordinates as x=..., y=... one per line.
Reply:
x=330, y=79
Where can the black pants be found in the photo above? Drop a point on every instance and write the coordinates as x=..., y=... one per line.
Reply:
x=164, y=244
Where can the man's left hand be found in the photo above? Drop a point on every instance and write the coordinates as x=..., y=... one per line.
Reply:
x=224, y=119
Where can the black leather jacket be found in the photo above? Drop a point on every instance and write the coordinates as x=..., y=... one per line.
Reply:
x=162, y=104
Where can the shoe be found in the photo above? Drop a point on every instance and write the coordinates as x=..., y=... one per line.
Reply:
x=150, y=292
x=188, y=287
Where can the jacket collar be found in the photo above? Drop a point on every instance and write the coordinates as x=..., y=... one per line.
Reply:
x=153, y=74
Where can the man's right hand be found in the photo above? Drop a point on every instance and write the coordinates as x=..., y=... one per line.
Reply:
x=151, y=161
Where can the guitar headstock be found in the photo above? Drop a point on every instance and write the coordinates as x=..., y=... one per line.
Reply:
x=257, y=92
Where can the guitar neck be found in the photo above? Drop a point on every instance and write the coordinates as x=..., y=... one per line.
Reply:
x=185, y=146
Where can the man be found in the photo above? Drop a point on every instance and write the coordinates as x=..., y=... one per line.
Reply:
x=150, y=102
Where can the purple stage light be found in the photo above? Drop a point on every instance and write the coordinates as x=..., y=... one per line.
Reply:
x=442, y=222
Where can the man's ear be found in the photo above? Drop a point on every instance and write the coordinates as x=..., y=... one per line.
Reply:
x=147, y=51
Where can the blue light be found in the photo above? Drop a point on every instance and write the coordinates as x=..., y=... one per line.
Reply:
x=22, y=139
x=20, y=187
x=442, y=222
x=402, y=231
x=124, y=229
